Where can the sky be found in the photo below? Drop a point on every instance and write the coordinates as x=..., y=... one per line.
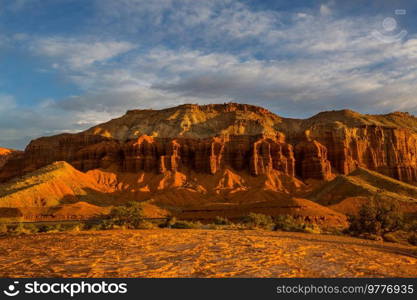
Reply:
x=66, y=65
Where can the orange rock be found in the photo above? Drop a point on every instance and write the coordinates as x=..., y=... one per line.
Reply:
x=7, y=154
x=210, y=138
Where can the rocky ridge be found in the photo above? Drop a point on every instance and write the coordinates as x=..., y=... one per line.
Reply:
x=210, y=138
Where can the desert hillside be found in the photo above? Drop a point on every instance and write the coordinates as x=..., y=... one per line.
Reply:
x=59, y=191
x=222, y=159
x=346, y=193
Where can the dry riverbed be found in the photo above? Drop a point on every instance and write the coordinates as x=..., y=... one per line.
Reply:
x=201, y=253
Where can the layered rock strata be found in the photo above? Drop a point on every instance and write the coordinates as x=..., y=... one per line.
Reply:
x=209, y=138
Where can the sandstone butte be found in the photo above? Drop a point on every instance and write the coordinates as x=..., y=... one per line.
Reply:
x=230, y=153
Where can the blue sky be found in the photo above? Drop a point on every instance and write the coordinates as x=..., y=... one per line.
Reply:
x=67, y=65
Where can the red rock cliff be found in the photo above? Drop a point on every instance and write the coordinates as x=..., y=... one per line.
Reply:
x=244, y=137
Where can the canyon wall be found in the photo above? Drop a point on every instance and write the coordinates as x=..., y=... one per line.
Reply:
x=243, y=137
x=387, y=150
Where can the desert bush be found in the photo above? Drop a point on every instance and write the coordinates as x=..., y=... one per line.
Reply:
x=391, y=237
x=370, y=236
x=212, y=226
x=172, y=222
x=311, y=228
x=130, y=216
x=50, y=228
x=3, y=228
x=254, y=220
x=412, y=239
x=222, y=221
x=146, y=225
x=76, y=228
x=18, y=229
x=186, y=225
x=103, y=225
x=66, y=227
x=411, y=226
x=286, y=223
x=22, y=229
x=169, y=222
x=377, y=218
x=289, y=223
x=31, y=228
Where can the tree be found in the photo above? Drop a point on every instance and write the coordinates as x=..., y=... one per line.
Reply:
x=378, y=217
x=130, y=215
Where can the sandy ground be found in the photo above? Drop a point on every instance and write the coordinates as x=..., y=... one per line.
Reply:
x=201, y=253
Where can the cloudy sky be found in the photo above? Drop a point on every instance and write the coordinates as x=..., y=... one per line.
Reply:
x=66, y=65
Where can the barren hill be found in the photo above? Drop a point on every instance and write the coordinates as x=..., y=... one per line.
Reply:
x=58, y=191
x=46, y=187
x=346, y=193
x=202, y=157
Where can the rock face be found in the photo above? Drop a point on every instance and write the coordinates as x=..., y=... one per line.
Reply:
x=391, y=151
x=6, y=154
x=209, y=138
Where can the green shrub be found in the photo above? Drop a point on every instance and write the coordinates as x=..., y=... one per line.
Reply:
x=76, y=228
x=311, y=228
x=172, y=222
x=3, y=229
x=287, y=223
x=22, y=229
x=412, y=239
x=130, y=216
x=146, y=225
x=168, y=224
x=100, y=226
x=370, y=236
x=212, y=226
x=50, y=228
x=66, y=227
x=32, y=228
x=377, y=218
x=222, y=221
x=186, y=225
x=254, y=220
x=103, y=225
x=411, y=226
x=391, y=237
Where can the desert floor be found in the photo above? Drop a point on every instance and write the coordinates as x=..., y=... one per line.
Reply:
x=201, y=253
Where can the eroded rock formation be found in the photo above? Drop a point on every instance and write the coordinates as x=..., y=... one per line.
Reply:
x=6, y=154
x=209, y=138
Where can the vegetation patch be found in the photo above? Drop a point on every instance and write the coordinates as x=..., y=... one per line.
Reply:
x=383, y=220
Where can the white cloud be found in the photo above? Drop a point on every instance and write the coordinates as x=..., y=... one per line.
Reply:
x=331, y=60
x=7, y=102
x=211, y=21
x=325, y=10
x=295, y=64
x=17, y=5
x=78, y=54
